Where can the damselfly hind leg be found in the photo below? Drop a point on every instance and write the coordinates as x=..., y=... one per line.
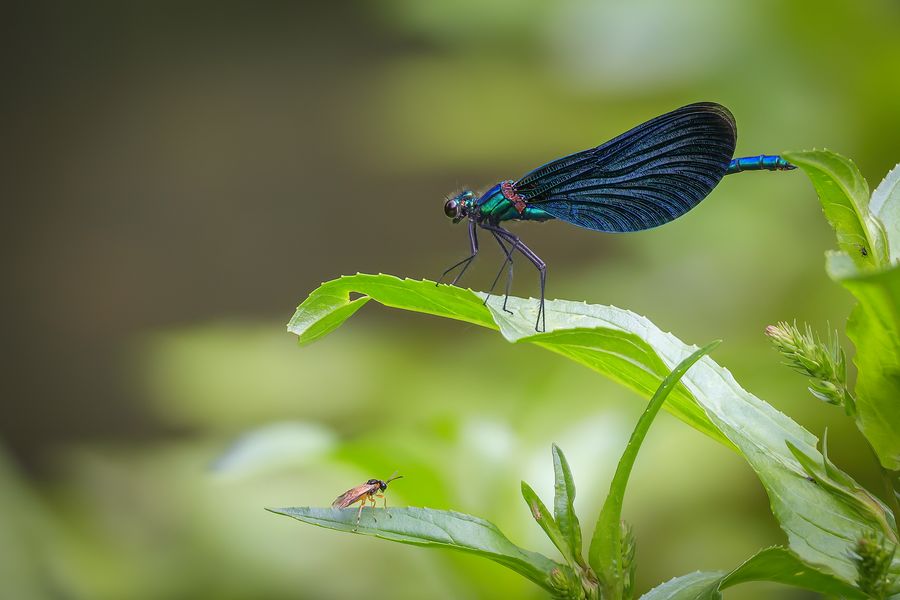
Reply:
x=517, y=244
x=508, y=261
x=473, y=246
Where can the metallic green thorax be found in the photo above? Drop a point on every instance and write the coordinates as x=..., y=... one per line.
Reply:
x=495, y=208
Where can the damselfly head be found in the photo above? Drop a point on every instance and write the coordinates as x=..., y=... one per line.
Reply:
x=451, y=208
x=457, y=206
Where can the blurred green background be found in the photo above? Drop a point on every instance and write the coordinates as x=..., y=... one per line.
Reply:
x=181, y=175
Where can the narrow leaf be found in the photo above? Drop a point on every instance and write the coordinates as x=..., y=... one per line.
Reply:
x=563, y=503
x=434, y=528
x=606, y=544
x=545, y=520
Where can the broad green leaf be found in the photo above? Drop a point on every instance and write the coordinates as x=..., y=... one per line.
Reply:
x=702, y=585
x=606, y=544
x=775, y=564
x=545, y=520
x=874, y=328
x=844, y=195
x=885, y=205
x=630, y=349
x=330, y=305
x=874, y=325
x=782, y=566
x=563, y=503
x=435, y=528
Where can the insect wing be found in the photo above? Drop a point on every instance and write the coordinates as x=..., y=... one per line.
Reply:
x=643, y=178
x=353, y=495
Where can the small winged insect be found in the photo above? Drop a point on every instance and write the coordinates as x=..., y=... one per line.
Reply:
x=367, y=492
x=644, y=178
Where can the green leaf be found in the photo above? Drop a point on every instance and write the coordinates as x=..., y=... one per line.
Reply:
x=840, y=485
x=885, y=205
x=775, y=564
x=630, y=349
x=702, y=585
x=330, y=304
x=874, y=328
x=545, y=520
x=563, y=503
x=874, y=325
x=844, y=195
x=780, y=565
x=606, y=544
x=435, y=528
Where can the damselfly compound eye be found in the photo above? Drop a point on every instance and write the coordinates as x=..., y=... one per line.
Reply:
x=451, y=208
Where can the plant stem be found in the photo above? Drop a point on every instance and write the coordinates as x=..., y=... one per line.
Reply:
x=887, y=478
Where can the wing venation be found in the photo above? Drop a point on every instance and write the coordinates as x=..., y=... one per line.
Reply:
x=647, y=176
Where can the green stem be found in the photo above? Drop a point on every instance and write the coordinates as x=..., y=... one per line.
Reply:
x=887, y=479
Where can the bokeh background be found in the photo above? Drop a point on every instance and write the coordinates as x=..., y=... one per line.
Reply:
x=181, y=175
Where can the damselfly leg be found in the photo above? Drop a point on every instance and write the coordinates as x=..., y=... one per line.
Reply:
x=509, y=276
x=473, y=246
x=517, y=244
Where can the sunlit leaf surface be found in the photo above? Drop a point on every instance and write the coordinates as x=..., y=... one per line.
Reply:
x=630, y=349
x=844, y=195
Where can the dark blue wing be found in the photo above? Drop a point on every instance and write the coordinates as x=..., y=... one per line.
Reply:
x=647, y=176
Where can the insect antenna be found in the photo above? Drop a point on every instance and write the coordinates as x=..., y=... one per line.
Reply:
x=393, y=477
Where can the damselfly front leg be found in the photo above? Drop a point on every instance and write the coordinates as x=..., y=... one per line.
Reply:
x=473, y=246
